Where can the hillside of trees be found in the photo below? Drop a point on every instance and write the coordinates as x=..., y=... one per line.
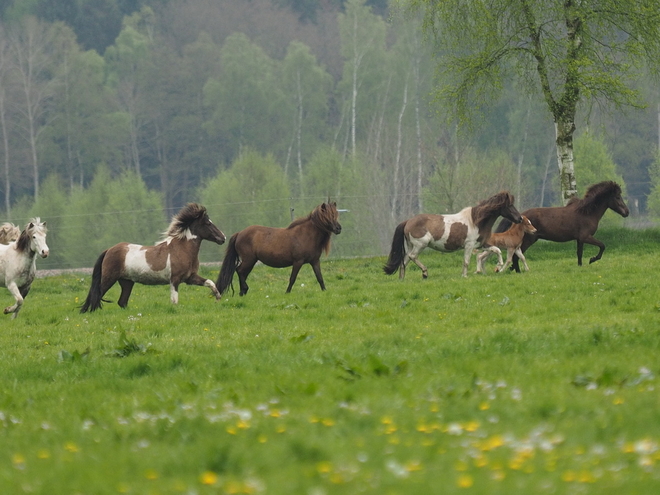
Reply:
x=115, y=113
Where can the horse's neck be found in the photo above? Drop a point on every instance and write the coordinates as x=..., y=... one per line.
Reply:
x=189, y=245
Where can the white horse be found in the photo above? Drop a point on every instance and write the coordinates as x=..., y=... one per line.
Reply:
x=18, y=262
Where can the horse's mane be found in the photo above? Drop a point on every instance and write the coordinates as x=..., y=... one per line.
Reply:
x=23, y=242
x=594, y=196
x=484, y=210
x=323, y=217
x=183, y=220
x=9, y=233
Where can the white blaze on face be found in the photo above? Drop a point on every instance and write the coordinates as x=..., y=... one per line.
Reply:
x=137, y=269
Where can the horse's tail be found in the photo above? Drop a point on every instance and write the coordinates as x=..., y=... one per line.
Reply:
x=397, y=252
x=505, y=224
x=95, y=298
x=229, y=264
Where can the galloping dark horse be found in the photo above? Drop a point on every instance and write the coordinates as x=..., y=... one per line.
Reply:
x=578, y=220
x=467, y=229
x=301, y=242
x=172, y=261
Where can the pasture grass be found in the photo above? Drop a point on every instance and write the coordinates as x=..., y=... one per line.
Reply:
x=541, y=382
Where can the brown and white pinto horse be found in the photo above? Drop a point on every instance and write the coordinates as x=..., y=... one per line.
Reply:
x=172, y=261
x=511, y=240
x=303, y=241
x=18, y=262
x=467, y=229
x=578, y=220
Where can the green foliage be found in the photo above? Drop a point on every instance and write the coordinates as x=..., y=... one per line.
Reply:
x=595, y=163
x=653, y=204
x=347, y=390
x=474, y=178
x=253, y=191
x=111, y=211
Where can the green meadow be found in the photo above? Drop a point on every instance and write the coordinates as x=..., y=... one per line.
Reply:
x=540, y=382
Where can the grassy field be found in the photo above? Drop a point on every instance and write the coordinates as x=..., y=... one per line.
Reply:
x=541, y=382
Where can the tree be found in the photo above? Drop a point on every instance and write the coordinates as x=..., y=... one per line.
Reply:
x=31, y=43
x=568, y=50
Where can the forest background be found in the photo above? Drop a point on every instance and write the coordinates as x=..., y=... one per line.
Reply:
x=115, y=113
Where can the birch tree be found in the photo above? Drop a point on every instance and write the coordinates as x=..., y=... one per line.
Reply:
x=568, y=50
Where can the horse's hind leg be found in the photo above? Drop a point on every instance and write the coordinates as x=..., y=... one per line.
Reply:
x=126, y=288
x=316, y=266
x=294, y=274
x=243, y=270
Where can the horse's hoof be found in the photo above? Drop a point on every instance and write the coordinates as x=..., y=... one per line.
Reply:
x=7, y=311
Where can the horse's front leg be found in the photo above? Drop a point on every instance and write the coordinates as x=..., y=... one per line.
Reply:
x=467, y=255
x=595, y=242
x=174, y=292
x=316, y=266
x=196, y=279
x=294, y=274
x=15, y=291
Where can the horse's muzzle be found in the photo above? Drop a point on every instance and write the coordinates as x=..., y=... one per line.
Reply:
x=337, y=229
x=44, y=253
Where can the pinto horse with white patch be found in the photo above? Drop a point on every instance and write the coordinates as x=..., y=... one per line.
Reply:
x=511, y=240
x=172, y=261
x=468, y=229
x=18, y=262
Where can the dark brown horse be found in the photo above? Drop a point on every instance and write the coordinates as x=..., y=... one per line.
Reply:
x=172, y=261
x=301, y=242
x=578, y=220
x=468, y=229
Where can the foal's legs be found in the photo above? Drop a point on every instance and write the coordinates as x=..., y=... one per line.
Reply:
x=527, y=241
x=126, y=288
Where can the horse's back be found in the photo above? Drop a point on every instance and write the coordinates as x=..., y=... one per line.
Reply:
x=278, y=247
x=445, y=233
x=558, y=223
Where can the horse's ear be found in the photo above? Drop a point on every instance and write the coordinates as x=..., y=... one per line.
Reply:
x=323, y=206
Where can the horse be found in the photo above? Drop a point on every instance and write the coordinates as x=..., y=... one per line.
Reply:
x=9, y=233
x=578, y=220
x=174, y=260
x=511, y=240
x=468, y=229
x=301, y=242
x=18, y=262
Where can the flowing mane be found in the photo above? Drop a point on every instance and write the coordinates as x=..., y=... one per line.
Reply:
x=35, y=225
x=182, y=221
x=483, y=211
x=323, y=217
x=595, y=196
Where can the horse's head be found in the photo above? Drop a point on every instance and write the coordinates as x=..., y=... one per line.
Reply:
x=36, y=233
x=9, y=233
x=331, y=217
x=193, y=221
x=527, y=226
x=616, y=202
x=207, y=230
x=507, y=210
